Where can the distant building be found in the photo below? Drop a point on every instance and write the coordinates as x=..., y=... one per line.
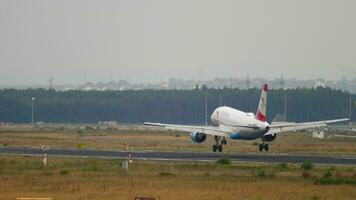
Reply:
x=108, y=123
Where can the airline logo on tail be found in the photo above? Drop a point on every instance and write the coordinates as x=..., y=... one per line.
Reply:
x=261, y=111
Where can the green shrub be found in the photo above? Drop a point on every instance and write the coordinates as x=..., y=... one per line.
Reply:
x=333, y=168
x=327, y=174
x=64, y=172
x=261, y=173
x=94, y=168
x=338, y=181
x=315, y=197
x=166, y=174
x=307, y=165
x=224, y=161
x=282, y=166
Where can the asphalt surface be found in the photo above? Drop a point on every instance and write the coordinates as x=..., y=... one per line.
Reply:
x=186, y=156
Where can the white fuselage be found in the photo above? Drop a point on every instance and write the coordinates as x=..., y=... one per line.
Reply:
x=242, y=125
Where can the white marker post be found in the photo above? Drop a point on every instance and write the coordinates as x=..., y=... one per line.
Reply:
x=32, y=110
x=130, y=150
x=44, y=149
x=130, y=158
x=45, y=160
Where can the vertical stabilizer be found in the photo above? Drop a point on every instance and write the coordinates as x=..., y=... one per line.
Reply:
x=261, y=111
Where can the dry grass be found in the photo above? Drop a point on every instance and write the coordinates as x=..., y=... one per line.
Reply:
x=156, y=139
x=103, y=179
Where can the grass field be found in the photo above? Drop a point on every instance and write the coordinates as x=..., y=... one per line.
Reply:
x=74, y=178
x=144, y=138
x=71, y=178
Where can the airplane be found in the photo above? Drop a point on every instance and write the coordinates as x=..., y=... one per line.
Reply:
x=232, y=123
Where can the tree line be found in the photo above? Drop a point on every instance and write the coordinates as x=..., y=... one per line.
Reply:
x=170, y=106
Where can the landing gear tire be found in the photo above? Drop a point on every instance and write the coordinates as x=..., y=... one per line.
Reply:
x=266, y=147
x=260, y=147
x=224, y=142
x=263, y=146
x=218, y=143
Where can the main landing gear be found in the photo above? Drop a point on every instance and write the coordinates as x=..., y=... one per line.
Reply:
x=263, y=146
x=218, y=143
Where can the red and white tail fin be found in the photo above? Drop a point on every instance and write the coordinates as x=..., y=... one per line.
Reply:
x=261, y=111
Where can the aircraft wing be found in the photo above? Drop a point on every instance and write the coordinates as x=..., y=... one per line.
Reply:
x=209, y=130
x=301, y=126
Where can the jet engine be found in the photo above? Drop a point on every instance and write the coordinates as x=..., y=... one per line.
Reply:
x=198, y=137
x=269, y=138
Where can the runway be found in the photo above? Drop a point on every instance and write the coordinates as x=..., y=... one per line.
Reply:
x=186, y=156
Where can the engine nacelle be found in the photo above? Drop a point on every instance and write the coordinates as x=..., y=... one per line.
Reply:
x=269, y=138
x=198, y=137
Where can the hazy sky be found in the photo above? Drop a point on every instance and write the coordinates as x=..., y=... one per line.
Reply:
x=151, y=40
